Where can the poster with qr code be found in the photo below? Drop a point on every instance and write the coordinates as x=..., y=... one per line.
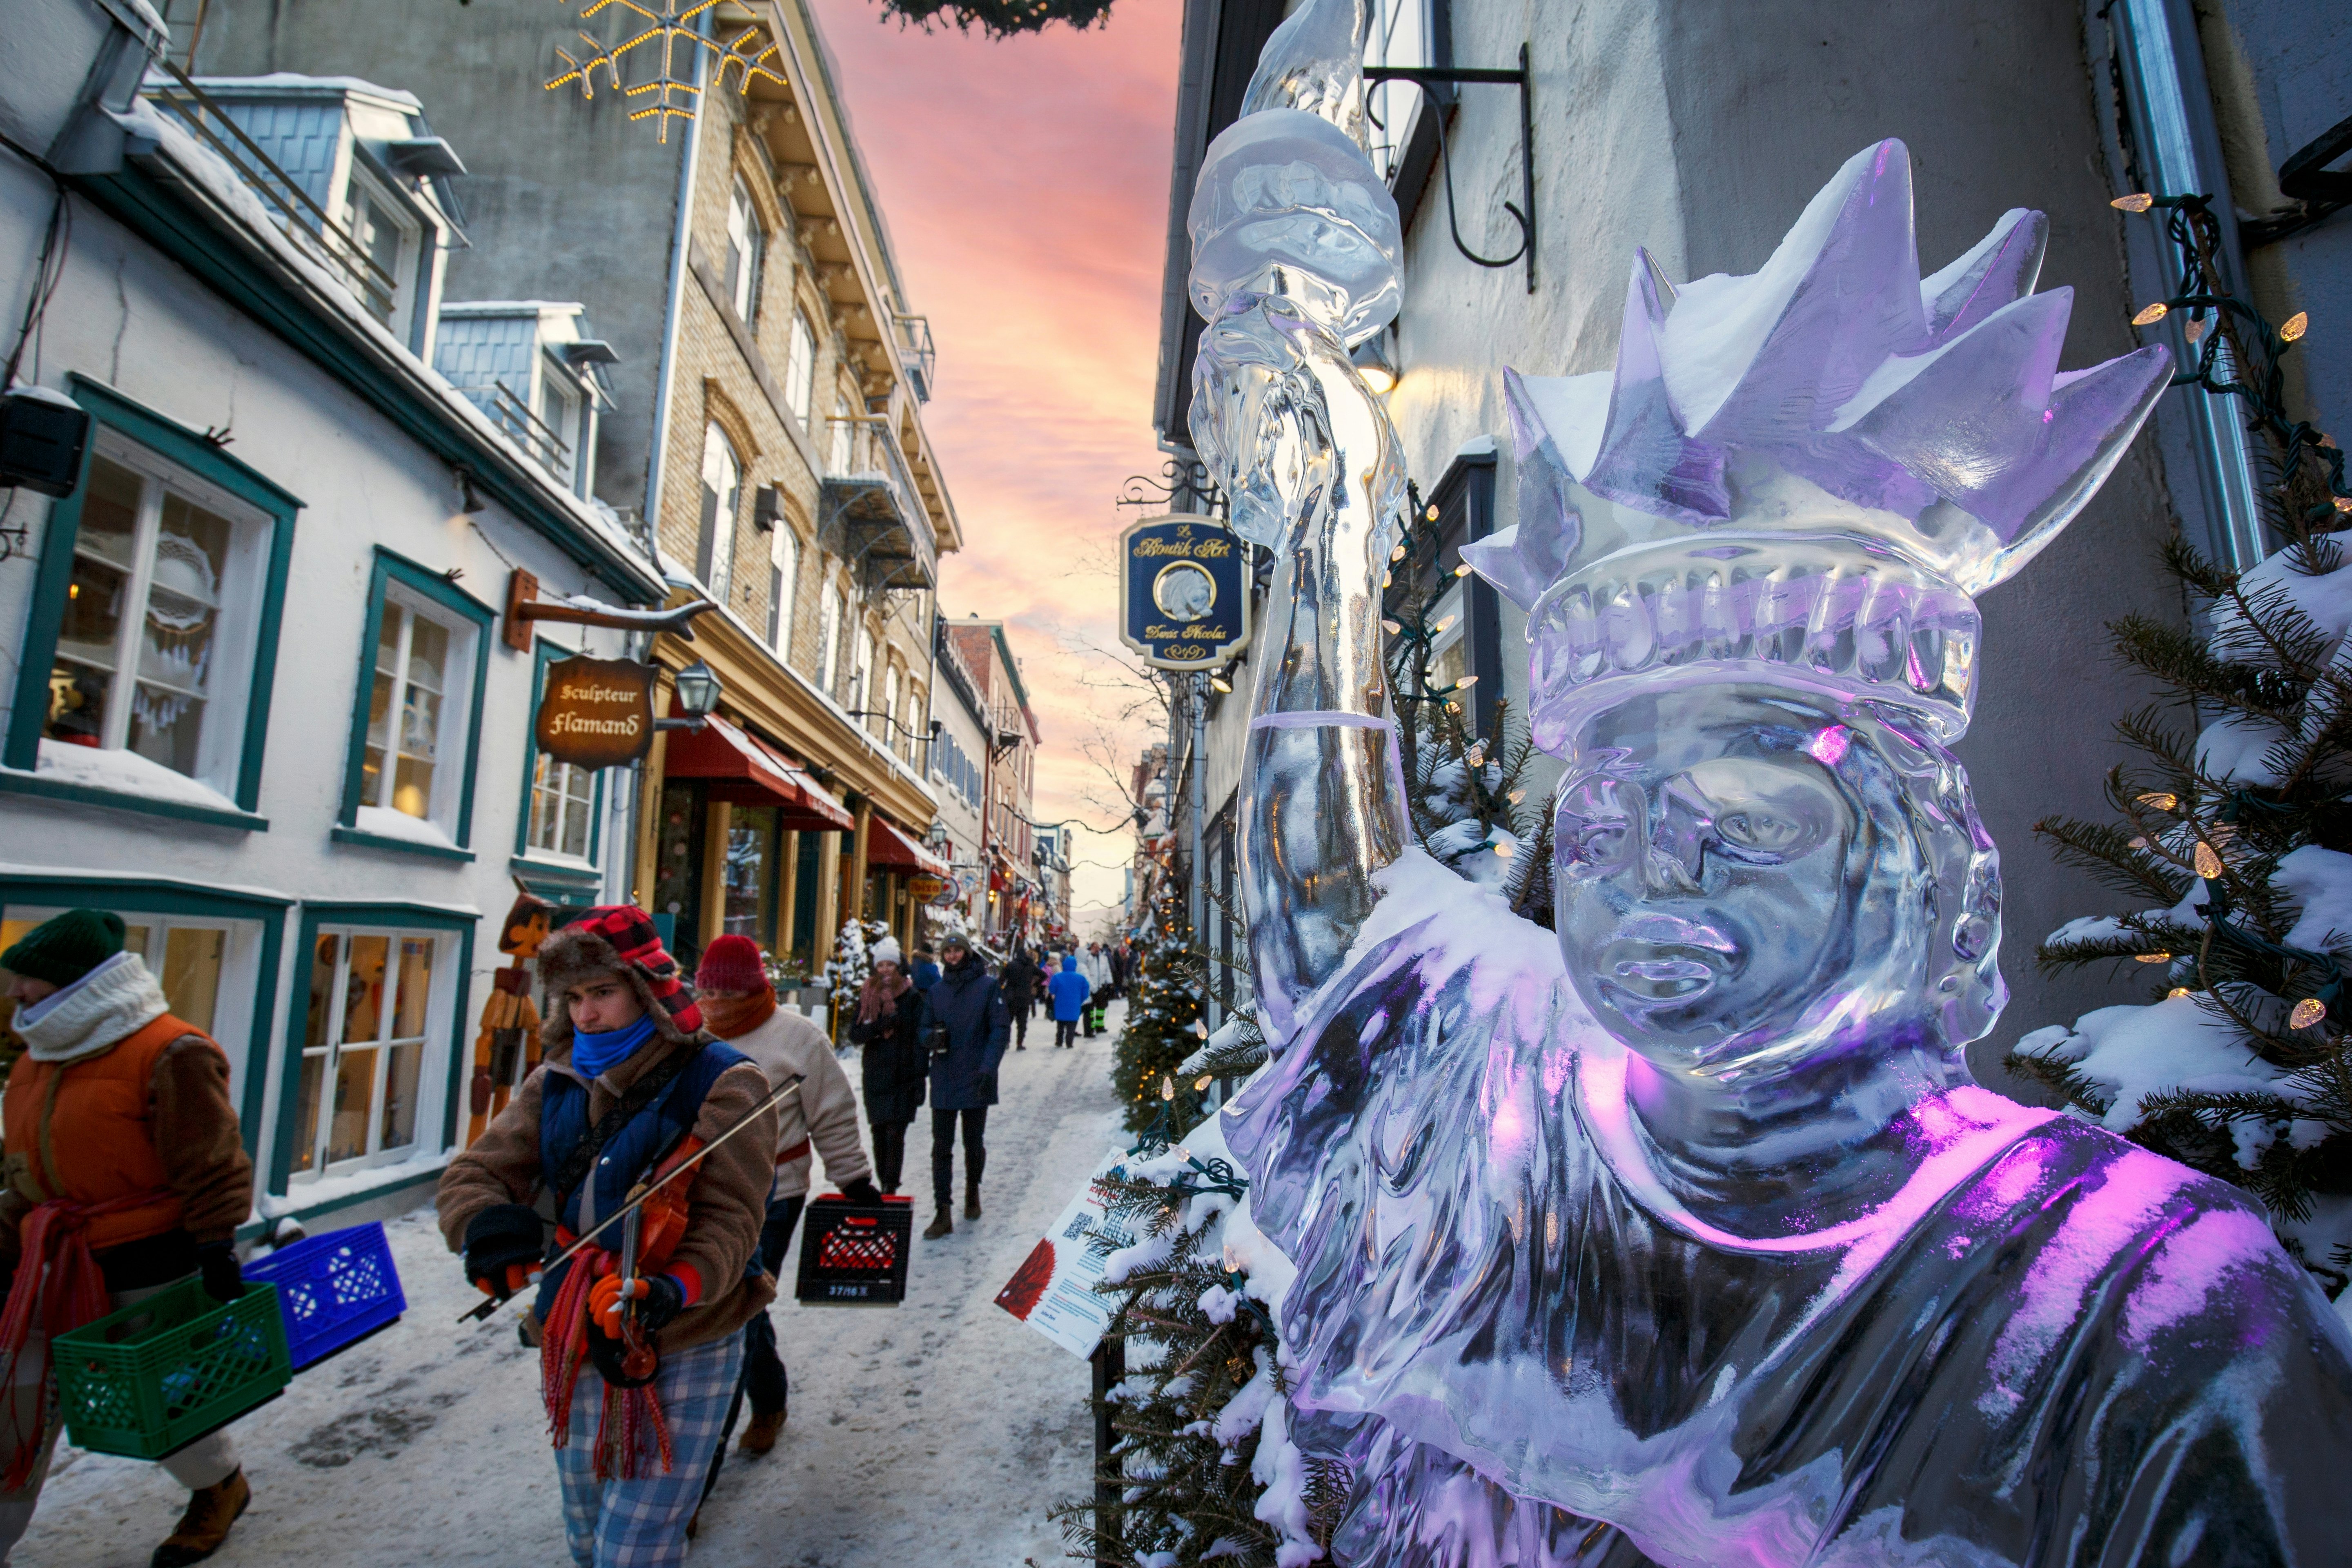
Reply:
x=1053, y=1291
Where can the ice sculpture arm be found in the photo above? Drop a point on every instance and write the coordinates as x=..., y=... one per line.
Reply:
x=1310, y=460
x=1295, y=245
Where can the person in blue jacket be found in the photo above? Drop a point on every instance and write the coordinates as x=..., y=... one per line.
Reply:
x=1069, y=991
x=966, y=1026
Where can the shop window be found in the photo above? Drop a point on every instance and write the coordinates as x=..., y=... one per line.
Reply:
x=751, y=866
x=374, y=1005
x=215, y=957
x=747, y=245
x=418, y=725
x=562, y=798
x=723, y=495
x=154, y=643
x=800, y=367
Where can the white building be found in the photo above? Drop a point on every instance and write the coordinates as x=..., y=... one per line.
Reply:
x=264, y=702
x=959, y=773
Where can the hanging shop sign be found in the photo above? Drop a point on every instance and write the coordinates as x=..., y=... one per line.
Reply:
x=1184, y=591
x=926, y=889
x=596, y=712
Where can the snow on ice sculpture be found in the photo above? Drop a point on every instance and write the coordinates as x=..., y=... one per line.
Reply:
x=1684, y=1239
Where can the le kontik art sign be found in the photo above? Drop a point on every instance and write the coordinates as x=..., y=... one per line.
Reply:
x=596, y=712
x=1184, y=600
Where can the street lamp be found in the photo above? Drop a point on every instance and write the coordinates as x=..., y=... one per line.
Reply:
x=698, y=694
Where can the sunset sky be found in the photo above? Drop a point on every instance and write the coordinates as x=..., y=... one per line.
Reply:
x=1024, y=185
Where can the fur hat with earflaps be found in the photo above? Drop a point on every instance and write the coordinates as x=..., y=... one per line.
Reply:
x=614, y=940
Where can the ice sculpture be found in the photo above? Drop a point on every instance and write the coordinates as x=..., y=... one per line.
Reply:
x=1684, y=1239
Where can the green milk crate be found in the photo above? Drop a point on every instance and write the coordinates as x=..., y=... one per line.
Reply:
x=162, y=1373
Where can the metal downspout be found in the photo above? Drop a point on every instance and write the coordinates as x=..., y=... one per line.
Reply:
x=620, y=871
x=2180, y=149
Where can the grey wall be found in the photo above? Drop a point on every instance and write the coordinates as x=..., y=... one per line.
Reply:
x=1700, y=129
x=565, y=199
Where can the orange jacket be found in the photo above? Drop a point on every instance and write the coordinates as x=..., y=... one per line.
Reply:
x=83, y=1129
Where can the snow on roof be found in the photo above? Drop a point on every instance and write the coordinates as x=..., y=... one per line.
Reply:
x=296, y=84
x=512, y=307
x=206, y=169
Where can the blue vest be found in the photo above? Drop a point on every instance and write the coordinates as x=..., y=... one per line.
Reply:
x=630, y=1154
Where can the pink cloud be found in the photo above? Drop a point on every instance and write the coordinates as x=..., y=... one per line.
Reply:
x=1025, y=185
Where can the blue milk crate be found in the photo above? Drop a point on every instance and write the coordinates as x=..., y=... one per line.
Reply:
x=333, y=1290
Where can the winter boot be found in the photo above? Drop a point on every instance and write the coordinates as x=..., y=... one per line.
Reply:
x=942, y=1224
x=972, y=1200
x=760, y=1436
x=205, y=1524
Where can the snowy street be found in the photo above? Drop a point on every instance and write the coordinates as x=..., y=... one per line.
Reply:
x=938, y=1432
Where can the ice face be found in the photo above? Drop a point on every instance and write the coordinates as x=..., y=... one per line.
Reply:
x=1744, y=875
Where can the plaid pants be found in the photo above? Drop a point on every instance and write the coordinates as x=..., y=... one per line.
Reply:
x=636, y=1524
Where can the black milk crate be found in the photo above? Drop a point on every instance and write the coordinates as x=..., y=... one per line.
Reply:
x=853, y=1255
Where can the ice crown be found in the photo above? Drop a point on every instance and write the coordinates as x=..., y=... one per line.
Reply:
x=1911, y=398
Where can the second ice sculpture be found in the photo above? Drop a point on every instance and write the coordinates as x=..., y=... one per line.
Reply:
x=1686, y=1238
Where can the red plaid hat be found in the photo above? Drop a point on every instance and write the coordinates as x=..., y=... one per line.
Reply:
x=634, y=940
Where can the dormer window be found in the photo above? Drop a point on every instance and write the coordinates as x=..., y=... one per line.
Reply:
x=386, y=236
x=558, y=412
x=747, y=244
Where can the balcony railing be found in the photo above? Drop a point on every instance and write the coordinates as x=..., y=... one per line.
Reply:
x=532, y=434
x=913, y=335
x=873, y=497
x=302, y=219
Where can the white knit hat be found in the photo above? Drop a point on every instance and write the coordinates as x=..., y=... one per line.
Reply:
x=886, y=952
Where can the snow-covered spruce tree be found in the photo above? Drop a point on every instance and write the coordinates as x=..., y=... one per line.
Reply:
x=852, y=959
x=1466, y=794
x=1163, y=1009
x=2234, y=835
x=1204, y=1468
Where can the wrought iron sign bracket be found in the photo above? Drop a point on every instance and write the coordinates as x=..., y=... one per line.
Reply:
x=1524, y=210
x=524, y=606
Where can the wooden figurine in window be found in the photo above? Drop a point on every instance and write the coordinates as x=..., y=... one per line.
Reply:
x=508, y=1047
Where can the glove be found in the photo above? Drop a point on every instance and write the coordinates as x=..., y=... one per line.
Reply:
x=988, y=1086
x=863, y=1192
x=502, y=1248
x=658, y=1299
x=216, y=1261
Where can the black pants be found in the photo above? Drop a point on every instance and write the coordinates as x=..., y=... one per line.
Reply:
x=889, y=1153
x=1019, y=1011
x=975, y=1149
x=763, y=1370
x=1065, y=1030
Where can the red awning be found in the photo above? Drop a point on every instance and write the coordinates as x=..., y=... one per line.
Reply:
x=888, y=846
x=744, y=770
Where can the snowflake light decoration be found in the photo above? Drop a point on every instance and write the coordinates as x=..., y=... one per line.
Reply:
x=668, y=24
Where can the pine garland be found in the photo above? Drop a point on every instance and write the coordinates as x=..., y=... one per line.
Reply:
x=2225, y=822
x=1163, y=1015
x=1466, y=794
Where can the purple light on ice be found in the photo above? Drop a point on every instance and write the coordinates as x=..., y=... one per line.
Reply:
x=2190, y=1265
x=1828, y=747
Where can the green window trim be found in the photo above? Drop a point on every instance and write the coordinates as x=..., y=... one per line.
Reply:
x=167, y=897
x=400, y=916
x=120, y=800
x=541, y=863
x=436, y=588
x=362, y=837
x=188, y=449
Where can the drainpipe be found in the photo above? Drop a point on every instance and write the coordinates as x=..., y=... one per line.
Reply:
x=2180, y=147
x=620, y=874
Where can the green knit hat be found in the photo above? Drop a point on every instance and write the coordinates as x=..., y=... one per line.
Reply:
x=61, y=950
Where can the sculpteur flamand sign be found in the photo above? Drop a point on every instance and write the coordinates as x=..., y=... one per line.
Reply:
x=597, y=712
x=1184, y=601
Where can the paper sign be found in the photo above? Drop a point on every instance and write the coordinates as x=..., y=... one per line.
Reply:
x=1053, y=1291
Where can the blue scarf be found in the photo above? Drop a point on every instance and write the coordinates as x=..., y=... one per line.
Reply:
x=593, y=1054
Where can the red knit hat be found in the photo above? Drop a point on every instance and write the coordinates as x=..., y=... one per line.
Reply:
x=731, y=963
